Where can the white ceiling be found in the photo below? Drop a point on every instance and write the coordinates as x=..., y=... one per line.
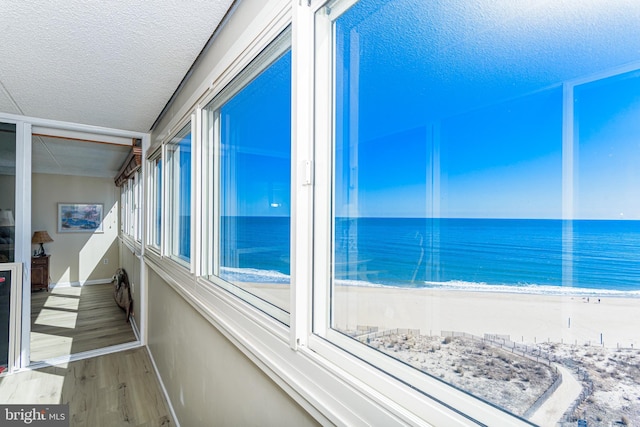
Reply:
x=69, y=157
x=117, y=63
x=112, y=64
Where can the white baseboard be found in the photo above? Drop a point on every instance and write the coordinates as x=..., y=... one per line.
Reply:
x=134, y=326
x=80, y=284
x=164, y=389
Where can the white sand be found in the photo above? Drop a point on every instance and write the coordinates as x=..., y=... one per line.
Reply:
x=524, y=317
x=530, y=318
x=273, y=293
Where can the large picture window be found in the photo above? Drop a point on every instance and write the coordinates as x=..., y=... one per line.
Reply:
x=250, y=126
x=155, y=200
x=483, y=200
x=136, y=208
x=130, y=193
x=179, y=194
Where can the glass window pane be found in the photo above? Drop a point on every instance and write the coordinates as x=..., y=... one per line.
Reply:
x=137, y=204
x=155, y=203
x=179, y=162
x=254, y=196
x=130, y=207
x=477, y=231
x=7, y=232
x=155, y=200
x=7, y=191
x=123, y=209
x=606, y=184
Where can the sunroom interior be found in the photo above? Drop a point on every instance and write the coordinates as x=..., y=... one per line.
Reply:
x=248, y=159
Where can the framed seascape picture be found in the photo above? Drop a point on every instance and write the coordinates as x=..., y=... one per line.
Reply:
x=80, y=217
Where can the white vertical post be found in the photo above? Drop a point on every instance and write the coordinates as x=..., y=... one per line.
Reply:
x=23, y=234
x=302, y=173
x=196, y=194
x=143, y=286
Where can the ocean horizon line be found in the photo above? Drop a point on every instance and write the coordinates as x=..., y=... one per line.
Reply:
x=258, y=276
x=527, y=289
x=539, y=256
x=622, y=219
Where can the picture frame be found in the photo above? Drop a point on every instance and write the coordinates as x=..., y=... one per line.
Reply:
x=80, y=217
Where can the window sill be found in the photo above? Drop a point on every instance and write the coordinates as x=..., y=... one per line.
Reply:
x=331, y=384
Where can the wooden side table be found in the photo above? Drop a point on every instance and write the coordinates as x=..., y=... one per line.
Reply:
x=40, y=273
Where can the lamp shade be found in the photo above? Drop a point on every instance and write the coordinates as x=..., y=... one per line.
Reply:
x=41, y=237
x=6, y=218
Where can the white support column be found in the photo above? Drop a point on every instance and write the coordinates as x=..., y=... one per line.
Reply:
x=143, y=286
x=23, y=234
x=302, y=174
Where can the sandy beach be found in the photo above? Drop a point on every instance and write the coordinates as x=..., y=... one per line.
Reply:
x=612, y=322
x=569, y=328
x=528, y=318
x=594, y=342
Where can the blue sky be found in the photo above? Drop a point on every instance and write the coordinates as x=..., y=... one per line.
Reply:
x=426, y=139
x=256, y=138
x=505, y=160
x=608, y=178
x=446, y=124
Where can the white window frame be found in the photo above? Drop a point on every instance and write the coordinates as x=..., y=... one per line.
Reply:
x=137, y=204
x=333, y=385
x=130, y=207
x=154, y=230
x=172, y=188
x=126, y=200
x=212, y=169
x=123, y=209
x=131, y=217
x=431, y=400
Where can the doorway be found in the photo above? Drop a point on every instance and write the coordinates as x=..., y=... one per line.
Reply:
x=75, y=205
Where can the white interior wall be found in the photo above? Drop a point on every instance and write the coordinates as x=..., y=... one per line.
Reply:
x=208, y=380
x=77, y=257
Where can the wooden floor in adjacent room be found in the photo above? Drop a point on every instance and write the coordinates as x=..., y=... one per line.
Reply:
x=71, y=320
x=118, y=389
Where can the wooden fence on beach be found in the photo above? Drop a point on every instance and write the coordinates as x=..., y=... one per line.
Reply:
x=504, y=342
x=535, y=353
x=569, y=416
x=367, y=333
x=364, y=334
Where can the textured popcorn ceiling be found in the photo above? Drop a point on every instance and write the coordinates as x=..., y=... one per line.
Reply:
x=105, y=63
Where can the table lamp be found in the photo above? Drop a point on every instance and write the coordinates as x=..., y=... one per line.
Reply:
x=41, y=237
x=6, y=218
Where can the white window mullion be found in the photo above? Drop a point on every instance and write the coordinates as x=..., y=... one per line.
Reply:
x=214, y=195
x=196, y=192
x=301, y=175
x=324, y=129
x=164, y=198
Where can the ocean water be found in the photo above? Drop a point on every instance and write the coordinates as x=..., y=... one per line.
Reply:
x=589, y=257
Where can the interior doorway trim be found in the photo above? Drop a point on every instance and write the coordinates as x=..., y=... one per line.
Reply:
x=25, y=128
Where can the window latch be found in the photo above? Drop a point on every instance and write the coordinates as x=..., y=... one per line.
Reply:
x=308, y=173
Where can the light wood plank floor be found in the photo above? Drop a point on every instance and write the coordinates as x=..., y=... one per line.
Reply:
x=118, y=389
x=75, y=319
